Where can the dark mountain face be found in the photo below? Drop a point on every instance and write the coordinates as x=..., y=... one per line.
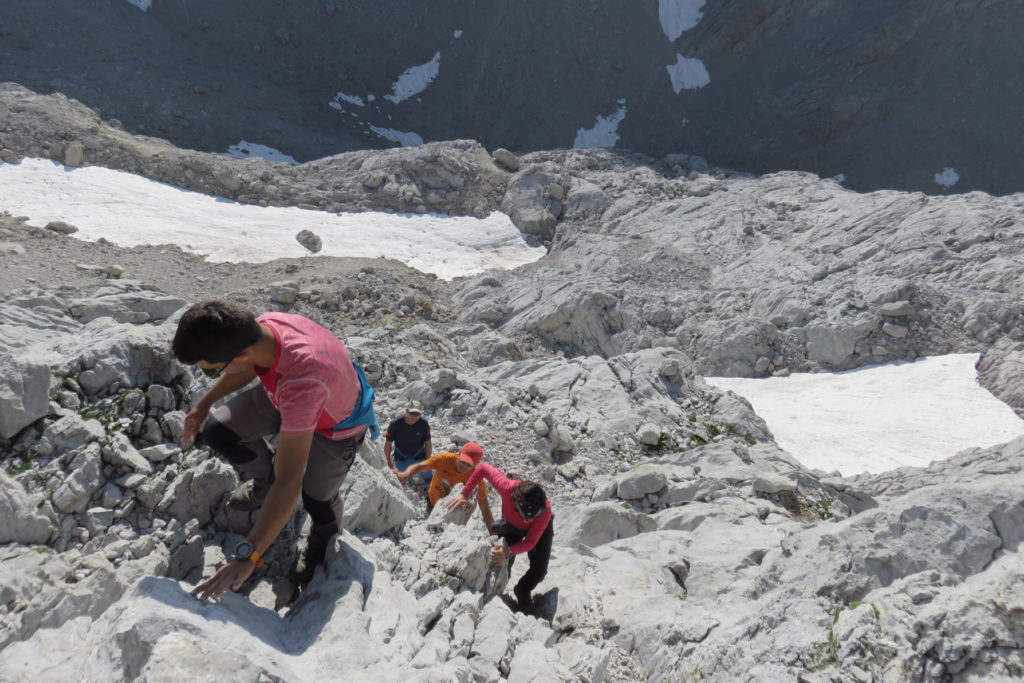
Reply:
x=887, y=94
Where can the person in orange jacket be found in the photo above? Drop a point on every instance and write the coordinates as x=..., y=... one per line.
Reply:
x=450, y=469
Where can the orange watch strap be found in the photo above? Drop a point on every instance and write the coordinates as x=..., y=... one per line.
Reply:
x=256, y=558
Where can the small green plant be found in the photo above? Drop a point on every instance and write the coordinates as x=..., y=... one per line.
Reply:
x=698, y=439
x=665, y=444
x=24, y=466
x=713, y=429
x=826, y=508
x=826, y=652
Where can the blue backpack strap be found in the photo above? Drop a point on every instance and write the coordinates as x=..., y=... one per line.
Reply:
x=362, y=414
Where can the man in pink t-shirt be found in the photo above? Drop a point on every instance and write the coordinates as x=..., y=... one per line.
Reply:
x=307, y=386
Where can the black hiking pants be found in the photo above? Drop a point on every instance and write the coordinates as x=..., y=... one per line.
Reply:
x=539, y=556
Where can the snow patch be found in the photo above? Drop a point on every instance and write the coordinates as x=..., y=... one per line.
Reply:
x=245, y=149
x=351, y=99
x=401, y=137
x=688, y=74
x=130, y=210
x=415, y=79
x=457, y=34
x=143, y=5
x=840, y=178
x=880, y=417
x=605, y=130
x=679, y=15
x=948, y=177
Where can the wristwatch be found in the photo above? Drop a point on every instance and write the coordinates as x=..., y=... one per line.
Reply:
x=245, y=551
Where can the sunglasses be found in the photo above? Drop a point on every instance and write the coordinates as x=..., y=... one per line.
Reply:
x=214, y=373
x=531, y=514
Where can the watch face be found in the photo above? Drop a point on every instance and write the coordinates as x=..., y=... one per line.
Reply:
x=243, y=550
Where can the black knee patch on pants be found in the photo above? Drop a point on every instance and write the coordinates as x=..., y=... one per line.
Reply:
x=320, y=511
x=219, y=438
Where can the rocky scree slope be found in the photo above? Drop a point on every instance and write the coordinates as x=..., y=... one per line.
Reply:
x=667, y=554
x=681, y=529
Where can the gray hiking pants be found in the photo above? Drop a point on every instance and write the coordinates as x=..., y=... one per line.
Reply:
x=239, y=430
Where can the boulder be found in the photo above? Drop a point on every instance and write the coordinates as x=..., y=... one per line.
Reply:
x=506, y=159
x=21, y=517
x=84, y=479
x=373, y=503
x=119, y=451
x=641, y=481
x=127, y=306
x=602, y=522
x=24, y=393
x=310, y=240
x=195, y=492
x=69, y=433
x=529, y=204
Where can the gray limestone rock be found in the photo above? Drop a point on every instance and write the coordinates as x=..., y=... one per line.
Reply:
x=895, y=331
x=310, y=240
x=528, y=203
x=585, y=198
x=112, y=495
x=1001, y=371
x=98, y=520
x=173, y=423
x=561, y=439
x=21, y=517
x=159, y=452
x=649, y=434
x=603, y=522
x=61, y=227
x=127, y=307
x=186, y=561
x=84, y=479
x=196, y=491
x=641, y=481
x=505, y=159
x=284, y=292
x=74, y=154
x=119, y=451
x=72, y=432
x=441, y=515
x=24, y=393
x=161, y=398
x=373, y=503
x=897, y=309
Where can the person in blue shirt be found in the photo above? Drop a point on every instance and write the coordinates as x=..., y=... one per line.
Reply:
x=408, y=436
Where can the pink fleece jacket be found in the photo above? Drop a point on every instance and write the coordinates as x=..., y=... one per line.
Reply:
x=503, y=485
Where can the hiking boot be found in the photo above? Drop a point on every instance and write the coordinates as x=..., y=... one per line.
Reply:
x=523, y=600
x=247, y=497
x=312, y=553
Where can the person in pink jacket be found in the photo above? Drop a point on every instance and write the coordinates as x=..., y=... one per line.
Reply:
x=526, y=526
